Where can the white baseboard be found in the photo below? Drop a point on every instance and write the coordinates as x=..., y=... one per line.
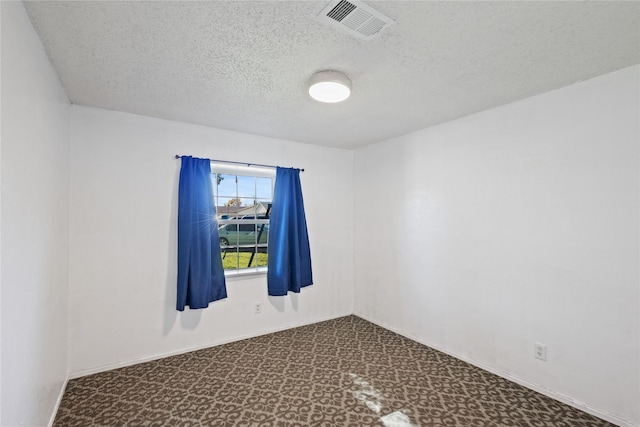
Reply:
x=111, y=366
x=55, y=408
x=549, y=393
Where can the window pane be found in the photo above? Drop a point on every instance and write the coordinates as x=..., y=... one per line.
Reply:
x=248, y=228
x=230, y=259
x=263, y=233
x=246, y=198
x=259, y=258
x=247, y=186
x=233, y=237
x=253, y=259
x=248, y=210
x=264, y=188
x=226, y=186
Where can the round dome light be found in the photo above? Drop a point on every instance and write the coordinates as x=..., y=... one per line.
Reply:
x=329, y=86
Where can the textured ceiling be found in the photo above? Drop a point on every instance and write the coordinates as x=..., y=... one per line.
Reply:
x=244, y=65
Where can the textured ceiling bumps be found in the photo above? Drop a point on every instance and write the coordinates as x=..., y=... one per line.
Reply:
x=245, y=65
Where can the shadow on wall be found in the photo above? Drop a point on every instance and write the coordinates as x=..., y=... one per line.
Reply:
x=279, y=302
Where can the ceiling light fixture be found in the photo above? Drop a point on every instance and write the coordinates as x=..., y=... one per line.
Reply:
x=329, y=86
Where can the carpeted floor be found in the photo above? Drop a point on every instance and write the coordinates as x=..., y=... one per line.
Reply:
x=343, y=372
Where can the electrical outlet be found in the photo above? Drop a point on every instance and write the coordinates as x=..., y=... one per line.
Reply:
x=540, y=351
x=258, y=308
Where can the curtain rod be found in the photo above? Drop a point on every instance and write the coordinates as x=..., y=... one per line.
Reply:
x=240, y=163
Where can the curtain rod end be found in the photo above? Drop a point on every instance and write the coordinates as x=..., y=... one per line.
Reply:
x=178, y=156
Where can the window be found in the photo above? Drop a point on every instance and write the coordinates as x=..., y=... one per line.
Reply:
x=243, y=197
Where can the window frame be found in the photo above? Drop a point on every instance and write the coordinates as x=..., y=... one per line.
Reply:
x=247, y=171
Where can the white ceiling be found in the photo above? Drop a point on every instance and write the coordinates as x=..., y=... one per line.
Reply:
x=244, y=66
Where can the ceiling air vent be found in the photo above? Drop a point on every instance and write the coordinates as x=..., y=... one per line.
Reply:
x=355, y=17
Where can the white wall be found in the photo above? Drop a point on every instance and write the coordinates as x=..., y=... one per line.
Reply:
x=511, y=226
x=0, y=217
x=34, y=223
x=124, y=181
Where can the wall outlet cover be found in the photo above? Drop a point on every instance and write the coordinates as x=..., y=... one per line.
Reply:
x=540, y=351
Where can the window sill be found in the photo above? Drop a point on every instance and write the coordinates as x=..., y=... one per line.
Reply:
x=245, y=272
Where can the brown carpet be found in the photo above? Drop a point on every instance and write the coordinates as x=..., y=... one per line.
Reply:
x=343, y=372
